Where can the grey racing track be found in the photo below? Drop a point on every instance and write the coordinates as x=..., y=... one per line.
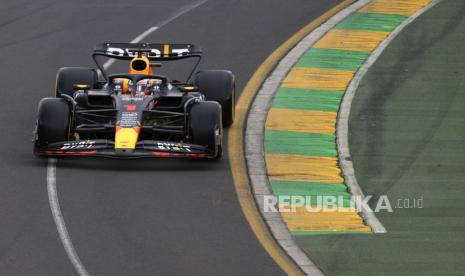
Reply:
x=138, y=217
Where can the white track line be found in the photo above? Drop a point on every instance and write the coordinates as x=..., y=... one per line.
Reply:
x=342, y=132
x=150, y=30
x=254, y=146
x=51, y=167
x=59, y=221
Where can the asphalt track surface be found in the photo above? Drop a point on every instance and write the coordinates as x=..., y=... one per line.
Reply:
x=138, y=217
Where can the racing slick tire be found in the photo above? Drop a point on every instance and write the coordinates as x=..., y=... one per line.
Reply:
x=53, y=122
x=67, y=77
x=205, y=126
x=219, y=86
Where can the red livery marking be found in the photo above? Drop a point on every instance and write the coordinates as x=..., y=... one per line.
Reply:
x=69, y=153
x=130, y=107
x=154, y=153
x=161, y=154
x=167, y=154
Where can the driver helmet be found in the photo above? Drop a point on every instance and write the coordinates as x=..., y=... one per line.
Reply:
x=122, y=85
x=146, y=86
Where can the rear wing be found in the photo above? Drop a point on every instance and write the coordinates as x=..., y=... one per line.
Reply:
x=153, y=51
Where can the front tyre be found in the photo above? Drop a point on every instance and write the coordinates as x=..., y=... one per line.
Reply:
x=53, y=122
x=206, y=128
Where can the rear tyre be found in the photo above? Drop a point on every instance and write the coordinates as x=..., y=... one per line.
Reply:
x=219, y=86
x=67, y=77
x=205, y=127
x=53, y=122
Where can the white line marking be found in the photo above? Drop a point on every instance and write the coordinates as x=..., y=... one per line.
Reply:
x=59, y=221
x=144, y=34
x=51, y=167
x=342, y=131
x=254, y=147
x=255, y=127
x=150, y=30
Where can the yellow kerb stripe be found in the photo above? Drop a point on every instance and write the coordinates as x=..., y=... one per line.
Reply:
x=309, y=121
x=314, y=78
x=303, y=168
x=402, y=7
x=303, y=220
x=235, y=145
x=352, y=40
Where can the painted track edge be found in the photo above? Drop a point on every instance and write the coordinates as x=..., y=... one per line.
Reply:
x=342, y=123
x=277, y=238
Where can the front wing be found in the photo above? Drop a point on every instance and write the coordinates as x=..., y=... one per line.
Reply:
x=106, y=148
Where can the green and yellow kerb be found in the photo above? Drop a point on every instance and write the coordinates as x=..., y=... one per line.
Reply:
x=300, y=131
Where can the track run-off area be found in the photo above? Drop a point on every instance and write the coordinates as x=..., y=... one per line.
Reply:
x=407, y=142
x=301, y=153
x=305, y=132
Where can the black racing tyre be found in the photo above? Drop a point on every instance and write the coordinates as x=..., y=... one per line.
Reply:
x=53, y=122
x=219, y=86
x=205, y=126
x=67, y=77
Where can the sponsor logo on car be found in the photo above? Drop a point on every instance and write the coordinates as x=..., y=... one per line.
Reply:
x=78, y=145
x=173, y=147
x=156, y=53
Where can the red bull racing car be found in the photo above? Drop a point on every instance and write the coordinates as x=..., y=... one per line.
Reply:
x=136, y=114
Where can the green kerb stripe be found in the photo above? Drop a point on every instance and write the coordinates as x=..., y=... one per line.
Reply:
x=296, y=98
x=312, y=191
x=329, y=187
x=333, y=59
x=288, y=142
x=377, y=22
x=315, y=200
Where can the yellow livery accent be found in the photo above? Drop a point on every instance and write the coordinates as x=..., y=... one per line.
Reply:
x=126, y=138
x=140, y=65
x=310, y=121
x=303, y=168
x=319, y=79
x=82, y=86
x=351, y=40
x=166, y=50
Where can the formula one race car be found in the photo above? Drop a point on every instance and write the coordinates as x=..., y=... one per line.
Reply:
x=137, y=114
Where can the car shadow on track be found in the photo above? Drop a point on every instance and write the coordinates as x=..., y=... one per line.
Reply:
x=143, y=164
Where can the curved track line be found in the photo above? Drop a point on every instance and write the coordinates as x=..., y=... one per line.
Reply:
x=51, y=166
x=236, y=147
x=59, y=221
x=150, y=30
x=255, y=137
x=342, y=133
